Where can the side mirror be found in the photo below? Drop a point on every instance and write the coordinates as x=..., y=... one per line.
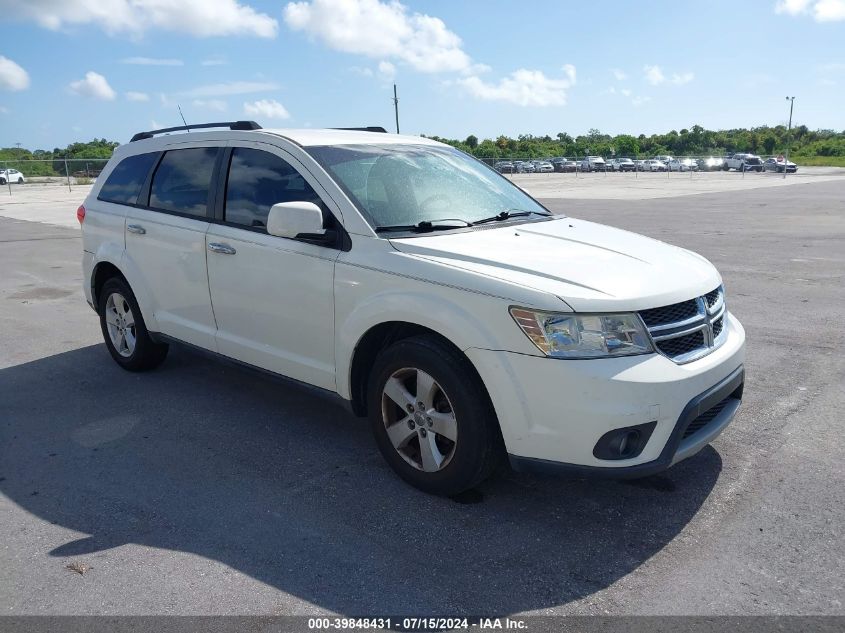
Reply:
x=296, y=219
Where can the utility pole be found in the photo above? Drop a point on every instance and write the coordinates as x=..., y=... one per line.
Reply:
x=788, y=133
x=396, y=107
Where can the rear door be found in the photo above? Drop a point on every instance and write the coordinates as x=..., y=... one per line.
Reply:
x=165, y=242
x=273, y=297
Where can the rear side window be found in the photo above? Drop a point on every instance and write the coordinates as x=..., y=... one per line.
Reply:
x=182, y=181
x=124, y=183
x=257, y=181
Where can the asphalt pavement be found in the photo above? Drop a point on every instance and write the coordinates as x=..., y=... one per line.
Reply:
x=201, y=488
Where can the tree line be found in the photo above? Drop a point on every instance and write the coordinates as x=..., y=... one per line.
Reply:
x=695, y=141
x=80, y=157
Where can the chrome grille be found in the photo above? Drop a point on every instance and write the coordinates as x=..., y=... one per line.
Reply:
x=690, y=329
x=670, y=314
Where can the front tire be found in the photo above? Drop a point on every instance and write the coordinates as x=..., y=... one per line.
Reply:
x=432, y=418
x=124, y=330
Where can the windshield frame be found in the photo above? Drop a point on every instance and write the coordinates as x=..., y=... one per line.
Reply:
x=373, y=224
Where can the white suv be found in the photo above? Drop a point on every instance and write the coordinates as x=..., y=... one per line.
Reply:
x=437, y=298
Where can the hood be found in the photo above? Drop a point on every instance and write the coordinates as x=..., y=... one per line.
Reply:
x=590, y=266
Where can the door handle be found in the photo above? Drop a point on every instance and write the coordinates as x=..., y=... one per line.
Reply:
x=136, y=228
x=223, y=249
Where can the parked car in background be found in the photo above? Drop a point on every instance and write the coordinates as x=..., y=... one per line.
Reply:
x=780, y=164
x=564, y=166
x=504, y=167
x=593, y=163
x=664, y=158
x=639, y=165
x=654, y=165
x=613, y=356
x=526, y=167
x=682, y=164
x=543, y=166
x=744, y=162
x=11, y=175
x=711, y=163
x=621, y=164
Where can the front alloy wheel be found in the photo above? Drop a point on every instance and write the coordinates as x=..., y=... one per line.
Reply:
x=431, y=416
x=419, y=419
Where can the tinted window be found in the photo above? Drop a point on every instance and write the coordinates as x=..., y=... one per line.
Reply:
x=125, y=182
x=182, y=181
x=257, y=181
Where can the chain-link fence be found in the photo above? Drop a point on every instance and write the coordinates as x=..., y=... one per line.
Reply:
x=63, y=172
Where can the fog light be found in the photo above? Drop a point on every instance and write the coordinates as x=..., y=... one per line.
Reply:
x=624, y=443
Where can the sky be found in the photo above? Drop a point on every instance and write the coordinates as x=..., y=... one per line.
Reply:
x=73, y=70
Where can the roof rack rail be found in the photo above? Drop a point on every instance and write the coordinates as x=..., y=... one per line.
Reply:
x=372, y=128
x=232, y=125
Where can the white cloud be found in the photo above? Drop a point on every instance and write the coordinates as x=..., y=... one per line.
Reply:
x=217, y=105
x=4, y=110
x=821, y=10
x=137, y=96
x=387, y=71
x=638, y=101
x=266, y=108
x=381, y=30
x=619, y=74
x=625, y=92
x=214, y=61
x=226, y=89
x=792, y=7
x=524, y=87
x=201, y=18
x=94, y=85
x=151, y=61
x=361, y=70
x=829, y=10
x=683, y=78
x=655, y=76
x=12, y=76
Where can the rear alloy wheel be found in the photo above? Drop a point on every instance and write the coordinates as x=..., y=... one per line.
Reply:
x=432, y=417
x=124, y=331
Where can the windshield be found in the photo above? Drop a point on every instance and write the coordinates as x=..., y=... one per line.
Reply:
x=396, y=185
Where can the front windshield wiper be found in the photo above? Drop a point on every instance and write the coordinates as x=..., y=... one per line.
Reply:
x=507, y=214
x=424, y=227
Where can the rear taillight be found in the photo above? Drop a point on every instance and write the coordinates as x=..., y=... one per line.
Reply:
x=80, y=214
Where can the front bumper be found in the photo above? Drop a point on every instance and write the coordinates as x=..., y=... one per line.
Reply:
x=553, y=412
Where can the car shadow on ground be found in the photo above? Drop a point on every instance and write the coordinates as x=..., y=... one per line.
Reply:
x=285, y=485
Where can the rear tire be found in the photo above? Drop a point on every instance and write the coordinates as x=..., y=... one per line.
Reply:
x=20, y=181
x=432, y=417
x=124, y=330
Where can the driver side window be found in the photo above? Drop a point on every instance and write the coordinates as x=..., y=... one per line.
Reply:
x=258, y=180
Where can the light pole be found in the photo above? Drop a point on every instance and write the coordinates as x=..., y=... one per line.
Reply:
x=788, y=132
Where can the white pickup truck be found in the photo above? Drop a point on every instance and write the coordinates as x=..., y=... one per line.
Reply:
x=744, y=162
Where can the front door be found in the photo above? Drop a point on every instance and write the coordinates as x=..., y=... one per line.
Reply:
x=273, y=297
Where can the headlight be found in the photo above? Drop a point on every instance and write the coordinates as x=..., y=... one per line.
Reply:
x=568, y=335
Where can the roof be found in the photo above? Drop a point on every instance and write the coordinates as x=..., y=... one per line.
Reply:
x=314, y=136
